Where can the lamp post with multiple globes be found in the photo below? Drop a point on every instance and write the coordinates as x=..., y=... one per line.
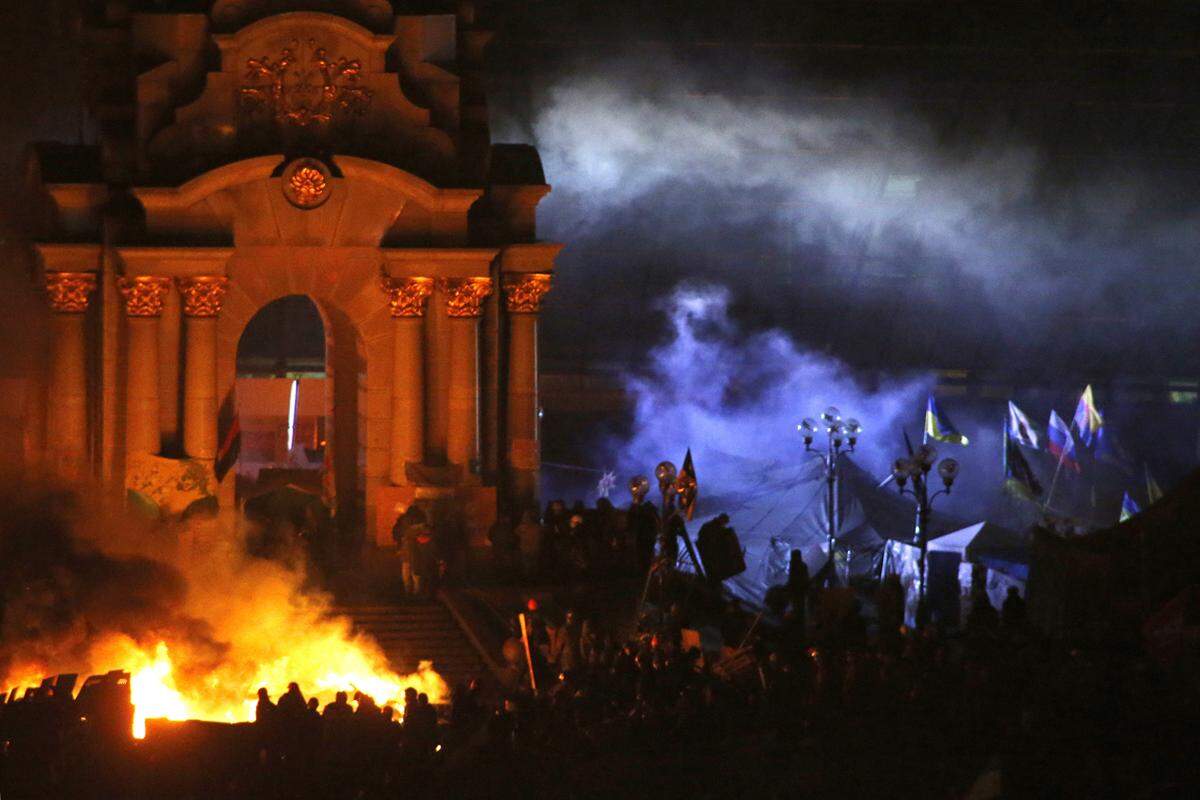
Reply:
x=841, y=436
x=916, y=468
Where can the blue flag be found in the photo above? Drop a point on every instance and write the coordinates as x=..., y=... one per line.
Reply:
x=1129, y=508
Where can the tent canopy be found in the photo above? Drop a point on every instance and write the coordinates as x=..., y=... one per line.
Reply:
x=992, y=545
x=784, y=508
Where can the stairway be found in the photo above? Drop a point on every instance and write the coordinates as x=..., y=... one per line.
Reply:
x=413, y=632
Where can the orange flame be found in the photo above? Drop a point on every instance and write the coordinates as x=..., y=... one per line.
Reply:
x=320, y=672
x=321, y=666
x=261, y=629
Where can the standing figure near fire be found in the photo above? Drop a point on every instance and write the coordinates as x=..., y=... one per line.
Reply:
x=404, y=533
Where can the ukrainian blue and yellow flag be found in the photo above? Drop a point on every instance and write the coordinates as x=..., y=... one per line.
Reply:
x=939, y=427
x=1087, y=420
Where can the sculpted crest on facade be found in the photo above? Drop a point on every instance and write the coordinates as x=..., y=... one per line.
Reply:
x=391, y=210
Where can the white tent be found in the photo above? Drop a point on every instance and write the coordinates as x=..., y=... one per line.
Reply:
x=1004, y=554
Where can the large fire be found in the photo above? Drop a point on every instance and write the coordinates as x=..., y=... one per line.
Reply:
x=200, y=644
x=322, y=661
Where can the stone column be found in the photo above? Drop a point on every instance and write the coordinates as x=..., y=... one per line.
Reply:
x=143, y=295
x=67, y=412
x=170, y=328
x=407, y=298
x=202, y=296
x=523, y=297
x=464, y=306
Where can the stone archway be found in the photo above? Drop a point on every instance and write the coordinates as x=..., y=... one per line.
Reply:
x=281, y=399
x=357, y=356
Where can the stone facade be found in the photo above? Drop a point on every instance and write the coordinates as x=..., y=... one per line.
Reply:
x=271, y=152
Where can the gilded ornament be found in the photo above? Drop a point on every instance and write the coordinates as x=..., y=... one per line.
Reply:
x=202, y=295
x=306, y=183
x=69, y=291
x=144, y=294
x=301, y=91
x=464, y=296
x=524, y=293
x=407, y=296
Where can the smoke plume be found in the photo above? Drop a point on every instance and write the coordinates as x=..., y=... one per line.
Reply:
x=858, y=224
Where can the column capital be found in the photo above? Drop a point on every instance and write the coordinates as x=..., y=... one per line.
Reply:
x=523, y=292
x=464, y=296
x=70, y=291
x=202, y=294
x=406, y=296
x=143, y=294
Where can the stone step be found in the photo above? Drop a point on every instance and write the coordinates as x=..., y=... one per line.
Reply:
x=410, y=633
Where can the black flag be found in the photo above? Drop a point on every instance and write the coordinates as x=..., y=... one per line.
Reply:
x=1019, y=477
x=685, y=485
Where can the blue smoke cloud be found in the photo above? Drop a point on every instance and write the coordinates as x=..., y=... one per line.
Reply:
x=735, y=397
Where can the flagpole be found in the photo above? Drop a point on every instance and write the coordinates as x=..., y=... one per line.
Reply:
x=1004, y=446
x=1061, y=456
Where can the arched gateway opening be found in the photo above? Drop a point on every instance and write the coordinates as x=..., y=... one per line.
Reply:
x=281, y=397
x=300, y=370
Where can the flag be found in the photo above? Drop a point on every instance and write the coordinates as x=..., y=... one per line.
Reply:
x=1153, y=492
x=1087, y=419
x=1060, y=443
x=229, y=436
x=1110, y=451
x=685, y=486
x=1129, y=508
x=1020, y=429
x=939, y=427
x=1018, y=475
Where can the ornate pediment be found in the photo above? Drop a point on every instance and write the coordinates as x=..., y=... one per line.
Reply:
x=303, y=86
x=310, y=82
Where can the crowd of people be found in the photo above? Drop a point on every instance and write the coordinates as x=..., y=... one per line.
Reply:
x=344, y=749
x=575, y=542
x=823, y=692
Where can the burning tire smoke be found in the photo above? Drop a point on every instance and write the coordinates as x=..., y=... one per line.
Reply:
x=198, y=624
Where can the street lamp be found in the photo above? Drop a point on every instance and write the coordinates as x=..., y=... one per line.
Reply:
x=839, y=434
x=670, y=484
x=916, y=468
x=665, y=472
x=639, y=485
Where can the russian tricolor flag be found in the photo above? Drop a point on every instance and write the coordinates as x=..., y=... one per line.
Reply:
x=1060, y=442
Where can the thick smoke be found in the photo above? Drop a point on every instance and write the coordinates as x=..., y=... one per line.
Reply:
x=851, y=237
x=63, y=594
x=855, y=223
x=724, y=392
x=735, y=397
